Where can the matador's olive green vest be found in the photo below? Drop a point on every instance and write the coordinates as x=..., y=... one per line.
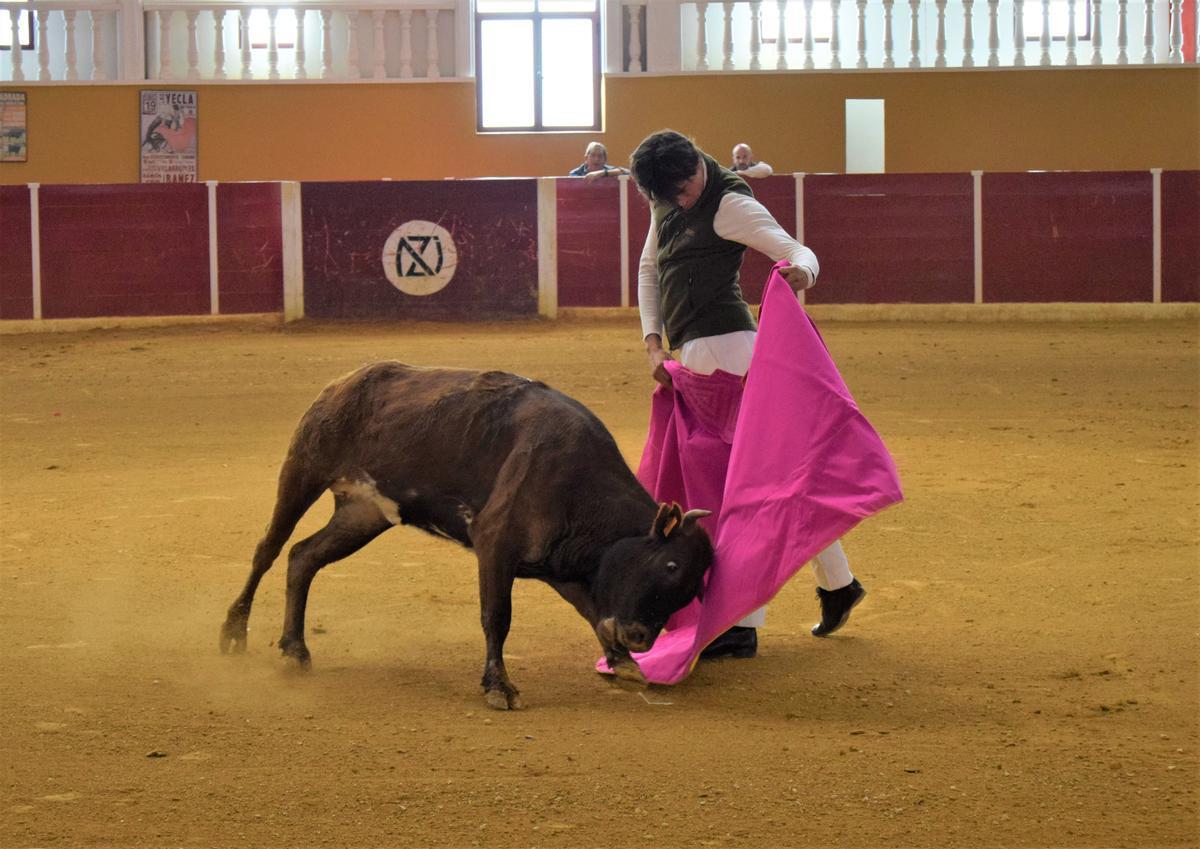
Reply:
x=697, y=269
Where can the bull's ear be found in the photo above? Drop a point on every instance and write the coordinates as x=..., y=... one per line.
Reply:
x=669, y=517
x=690, y=517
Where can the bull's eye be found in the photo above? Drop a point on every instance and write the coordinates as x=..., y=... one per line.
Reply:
x=672, y=566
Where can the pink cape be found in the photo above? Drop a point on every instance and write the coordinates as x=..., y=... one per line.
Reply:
x=787, y=465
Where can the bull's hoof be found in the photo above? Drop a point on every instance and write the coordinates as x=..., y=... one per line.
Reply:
x=296, y=654
x=233, y=636
x=629, y=674
x=500, y=700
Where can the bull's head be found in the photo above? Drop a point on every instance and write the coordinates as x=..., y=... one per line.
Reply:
x=643, y=580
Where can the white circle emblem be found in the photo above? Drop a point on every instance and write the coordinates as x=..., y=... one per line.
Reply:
x=419, y=258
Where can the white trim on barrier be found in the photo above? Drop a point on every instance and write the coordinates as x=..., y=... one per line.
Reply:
x=1156, y=204
x=214, y=289
x=977, y=231
x=35, y=248
x=799, y=178
x=292, y=245
x=547, y=217
x=624, y=201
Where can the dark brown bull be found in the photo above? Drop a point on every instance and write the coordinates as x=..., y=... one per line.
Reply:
x=523, y=474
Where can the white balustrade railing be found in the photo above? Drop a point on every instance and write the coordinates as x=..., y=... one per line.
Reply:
x=68, y=40
x=87, y=40
x=300, y=40
x=869, y=34
x=99, y=40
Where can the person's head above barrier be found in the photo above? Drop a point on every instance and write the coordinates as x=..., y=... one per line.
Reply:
x=743, y=157
x=596, y=156
x=667, y=166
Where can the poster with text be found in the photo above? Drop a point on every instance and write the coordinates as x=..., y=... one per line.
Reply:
x=14, y=136
x=168, y=134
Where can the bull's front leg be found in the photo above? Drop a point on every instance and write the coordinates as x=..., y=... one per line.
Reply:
x=495, y=600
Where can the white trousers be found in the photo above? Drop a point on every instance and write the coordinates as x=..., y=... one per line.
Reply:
x=731, y=352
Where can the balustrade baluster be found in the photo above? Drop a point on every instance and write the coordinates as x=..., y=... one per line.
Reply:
x=1122, y=32
x=1071, y=35
x=862, y=34
x=193, y=49
x=809, y=42
x=96, y=21
x=1097, y=58
x=406, y=53
x=165, y=71
x=968, y=60
x=244, y=30
x=635, y=38
x=727, y=38
x=888, y=44
x=1044, y=40
x=781, y=62
x=914, y=41
x=835, y=43
x=69, y=44
x=940, y=44
x=1018, y=33
x=1148, y=53
x=353, y=59
x=1176, y=53
x=378, y=66
x=14, y=29
x=701, y=36
x=326, y=44
x=272, y=43
x=755, y=34
x=432, y=63
x=43, y=46
x=301, y=55
x=218, y=44
x=993, y=33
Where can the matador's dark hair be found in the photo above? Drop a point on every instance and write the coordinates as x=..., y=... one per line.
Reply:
x=661, y=162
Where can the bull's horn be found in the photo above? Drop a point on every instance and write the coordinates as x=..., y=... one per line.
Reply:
x=693, y=515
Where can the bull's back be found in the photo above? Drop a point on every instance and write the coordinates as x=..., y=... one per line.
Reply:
x=436, y=438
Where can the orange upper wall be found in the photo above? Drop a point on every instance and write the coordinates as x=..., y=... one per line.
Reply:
x=1004, y=120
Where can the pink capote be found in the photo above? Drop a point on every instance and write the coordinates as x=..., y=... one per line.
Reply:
x=787, y=465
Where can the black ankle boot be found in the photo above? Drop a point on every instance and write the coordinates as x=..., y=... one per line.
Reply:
x=836, y=606
x=736, y=642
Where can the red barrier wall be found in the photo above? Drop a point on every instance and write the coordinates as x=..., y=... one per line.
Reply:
x=493, y=224
x=891, y=238
x=639, y=224
x=249, y=248
x=589, y=242
x=1181, y=236
x=124, y=250
x=1067, y=236
x=16, y=268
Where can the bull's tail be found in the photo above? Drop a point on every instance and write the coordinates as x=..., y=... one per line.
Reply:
x=300, y=486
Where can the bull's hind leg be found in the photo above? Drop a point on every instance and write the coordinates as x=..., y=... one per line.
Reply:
x=298, y=490
x=497, y=571
x=355, y=523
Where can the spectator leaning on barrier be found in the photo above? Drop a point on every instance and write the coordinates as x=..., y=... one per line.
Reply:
x=744, y=164
x=703, y=217
x=595, y=164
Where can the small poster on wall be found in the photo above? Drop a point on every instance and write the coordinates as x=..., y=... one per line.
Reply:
x=168, y=134
x=14, y=136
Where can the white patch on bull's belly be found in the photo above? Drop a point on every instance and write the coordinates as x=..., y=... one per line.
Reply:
x=366, y=490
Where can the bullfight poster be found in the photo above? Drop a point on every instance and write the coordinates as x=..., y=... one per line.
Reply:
x=168, y=136
x=14, y=139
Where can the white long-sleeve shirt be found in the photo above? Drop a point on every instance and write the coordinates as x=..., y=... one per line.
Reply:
x=740, y=218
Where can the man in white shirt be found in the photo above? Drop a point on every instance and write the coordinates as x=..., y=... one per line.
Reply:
x=744, y=164
x=703, y=217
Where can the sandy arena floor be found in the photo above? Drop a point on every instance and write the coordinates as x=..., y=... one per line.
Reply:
x=1024, y=672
